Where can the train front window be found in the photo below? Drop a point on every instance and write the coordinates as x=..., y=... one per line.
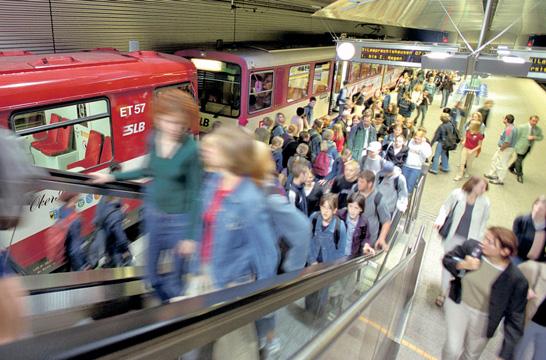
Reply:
x=219, y=85
x=298, y=82
x=74, y=137
x=261, y=91
x=322, y=75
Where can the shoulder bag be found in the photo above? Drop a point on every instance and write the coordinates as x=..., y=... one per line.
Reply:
x=446, y=227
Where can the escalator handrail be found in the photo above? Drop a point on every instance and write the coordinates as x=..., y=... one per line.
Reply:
x=257, y=298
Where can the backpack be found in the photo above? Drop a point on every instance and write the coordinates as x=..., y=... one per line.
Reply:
x=56, y=237
x=321, y=166
x=336, y=229
x=380, y=180
x=451, y=140
x=314, y=145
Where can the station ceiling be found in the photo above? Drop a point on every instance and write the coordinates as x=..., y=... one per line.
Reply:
x=429, y=14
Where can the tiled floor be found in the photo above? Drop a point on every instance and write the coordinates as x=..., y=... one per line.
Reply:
x=425, y=332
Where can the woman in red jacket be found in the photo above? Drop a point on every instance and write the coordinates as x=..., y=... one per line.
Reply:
x=339, y=137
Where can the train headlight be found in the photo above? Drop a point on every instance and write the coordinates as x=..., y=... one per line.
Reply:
x=345, y=51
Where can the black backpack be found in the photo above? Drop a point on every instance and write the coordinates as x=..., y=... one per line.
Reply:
x=336, y=229
x=451, y=140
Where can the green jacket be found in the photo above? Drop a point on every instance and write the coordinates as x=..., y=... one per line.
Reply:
x=522, y=144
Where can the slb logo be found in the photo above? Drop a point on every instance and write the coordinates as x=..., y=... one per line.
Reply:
x=134, y=128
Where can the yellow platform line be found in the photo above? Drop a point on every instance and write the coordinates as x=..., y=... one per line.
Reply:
x=405, y=343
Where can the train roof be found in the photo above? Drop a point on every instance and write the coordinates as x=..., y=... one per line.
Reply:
x=255, y=57
x=34, y=78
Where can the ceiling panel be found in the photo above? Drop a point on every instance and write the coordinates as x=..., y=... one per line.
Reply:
x=419, y=14
x=531, y=12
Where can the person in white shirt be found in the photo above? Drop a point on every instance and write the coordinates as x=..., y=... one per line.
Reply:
x=418, y=153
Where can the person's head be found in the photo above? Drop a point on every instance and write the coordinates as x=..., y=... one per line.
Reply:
x=446, y=110
x=397, y=130
x=304, y=136
x=538, y=211
x=338, y=130
x=408, y=122
x=499, y=242
x=317, y=125
x=114, y=167
x=312, y=101
x=425, y=93
x=418, y=87
x=444, y=118
x=351, y=170
x=378, y=119
x=277, y=142
x=400, y=120
x=292, y=130
x=302, y=150
x=328, y=206
x=328, y=134
x=509, y=119
x=310, y=178
x=388, y=168
x=474, y=126
x=356, y=204
x=488, y=104
x=476, y=116
x=280, y=118
x=356, y=119
x=431, y=79
x=419, y=137
x=267, y=122
x=475, y=185
x=229, y=149
x=300, y=111
x=367, y=118
x=175, y=113
x=399, y=141
x=299, y=171
x=346, y=154
x=373, y=149
x=262, y=134
x=264, y=168
x=533, y=120
x=366, y=180
x=324, y=145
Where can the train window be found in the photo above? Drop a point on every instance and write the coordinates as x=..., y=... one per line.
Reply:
x=298, y=82
x=261, y=91
x=355, y=72
x=83, y=142
x=322, y=75
x=219, y=88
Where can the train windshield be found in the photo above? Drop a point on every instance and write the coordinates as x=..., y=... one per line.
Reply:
x=219, y=87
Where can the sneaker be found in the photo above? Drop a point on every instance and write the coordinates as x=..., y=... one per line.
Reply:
x=520, y=179
x=458, y=178
x=433, y=172
x=490, y=177
x=496, y=182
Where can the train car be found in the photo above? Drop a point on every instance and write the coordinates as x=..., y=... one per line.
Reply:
x=79, y=112
x=244, y=85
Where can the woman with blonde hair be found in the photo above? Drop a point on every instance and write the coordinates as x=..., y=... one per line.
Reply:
x=171, y=207
x=339, y=137
x=471, y=149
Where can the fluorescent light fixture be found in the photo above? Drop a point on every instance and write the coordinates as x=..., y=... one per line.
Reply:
x=346, y=51
x=513, y=60
x=438, y=55
x=208, y=65
x=503, y=52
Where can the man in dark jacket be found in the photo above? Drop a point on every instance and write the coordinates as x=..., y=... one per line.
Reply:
x=441, y=135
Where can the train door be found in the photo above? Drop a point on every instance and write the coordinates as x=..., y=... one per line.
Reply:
x=322, y=73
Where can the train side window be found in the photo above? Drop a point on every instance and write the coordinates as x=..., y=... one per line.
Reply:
x=74, y=137
x=355, y=72
x=261, y=91
x=298, y=82
x=321, y=77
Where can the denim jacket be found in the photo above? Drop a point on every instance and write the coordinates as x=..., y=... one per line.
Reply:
x=323, y=248
x=244, y=246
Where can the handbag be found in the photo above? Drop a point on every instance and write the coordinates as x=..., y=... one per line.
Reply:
x=446, y=227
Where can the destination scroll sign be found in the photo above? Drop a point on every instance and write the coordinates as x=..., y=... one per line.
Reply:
x=538, y=65
x=392, y=56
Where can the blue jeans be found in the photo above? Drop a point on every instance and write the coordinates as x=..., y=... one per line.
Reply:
x=164, y=232
x=411, y=176
x=445, y=159
x=445, y=97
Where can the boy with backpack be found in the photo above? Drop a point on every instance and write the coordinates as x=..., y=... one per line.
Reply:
x=322, y=166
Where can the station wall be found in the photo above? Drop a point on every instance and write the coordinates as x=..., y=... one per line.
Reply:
x=165, y=25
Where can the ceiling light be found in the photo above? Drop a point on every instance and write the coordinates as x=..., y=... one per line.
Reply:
x=438, y=55
x=208, y=65
x=503, y=52
x=513, y=60
x=345, y=51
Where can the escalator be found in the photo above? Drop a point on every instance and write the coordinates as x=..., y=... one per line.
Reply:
x=367, y=303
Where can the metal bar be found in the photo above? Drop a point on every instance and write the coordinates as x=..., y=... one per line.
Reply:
x=455, y=26
x=62, y=124
x=314, y=348
x=485, y=24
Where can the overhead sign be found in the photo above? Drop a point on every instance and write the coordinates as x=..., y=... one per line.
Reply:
x=394, y=54
x=538, y=68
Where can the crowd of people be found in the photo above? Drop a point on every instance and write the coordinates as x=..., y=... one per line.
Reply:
x=238, y=207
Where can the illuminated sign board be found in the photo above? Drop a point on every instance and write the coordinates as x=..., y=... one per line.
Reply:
x=389, y=56
x=538, y=67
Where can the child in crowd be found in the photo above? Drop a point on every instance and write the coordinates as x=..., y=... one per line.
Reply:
x=343, y=184
x=302, y=152
x=304, y=137
x=339, y=164
x=276, y=149
x=358, y=238
x=409, y=124
x=471, y=149
x=313, y=192
x=322, y=166
x=295, y=188
x=267, y=123
x=300, y=120
x=396, y=151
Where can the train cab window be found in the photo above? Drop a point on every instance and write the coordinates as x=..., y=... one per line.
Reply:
x=322, y=75
x=261, y=91
x=74, y=137
x=185, y=86
x=298, y=82
x=219, y=87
